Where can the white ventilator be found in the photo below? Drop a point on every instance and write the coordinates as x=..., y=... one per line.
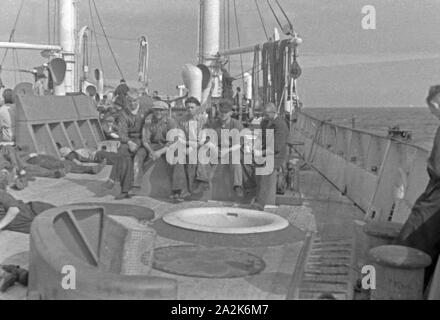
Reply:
x=276, y=34
x=99, y=76
x=206, y=83
x=192, y=78
x=247, y=86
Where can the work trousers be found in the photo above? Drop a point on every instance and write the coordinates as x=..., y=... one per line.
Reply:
x=8, y=154
x=122, y=169
x=110, y=157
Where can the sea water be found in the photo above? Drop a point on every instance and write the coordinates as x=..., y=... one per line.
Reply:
x=418, y=120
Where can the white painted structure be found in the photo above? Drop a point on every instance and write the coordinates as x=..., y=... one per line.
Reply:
x=67, y=34
x=209, y=31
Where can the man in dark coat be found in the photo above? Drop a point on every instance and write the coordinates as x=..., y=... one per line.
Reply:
x=422, y=229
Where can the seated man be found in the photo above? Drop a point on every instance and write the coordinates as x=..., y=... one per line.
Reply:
x=16, y=215
x=225, y=121
x=109, y=127
x=421, y=230
x=130, y=124
x=155, y=145
x=191, y=124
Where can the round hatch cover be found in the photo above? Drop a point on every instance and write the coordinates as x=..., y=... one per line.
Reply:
x=202, y=262
x=226, y=220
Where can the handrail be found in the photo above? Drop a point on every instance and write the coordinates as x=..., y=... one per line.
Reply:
x=381, y=175
x=360, y=131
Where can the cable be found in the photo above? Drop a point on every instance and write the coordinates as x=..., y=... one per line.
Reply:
x=241, y=76
x=275, y=15
x=18, y=64
x=11, y=36
x=238, y=38
x=96, y=38
x=285, y=15
x=262, y=20
x=229, y=31
x=55, y=21
x=48, y=23
x=117, y=38
x=108, y=42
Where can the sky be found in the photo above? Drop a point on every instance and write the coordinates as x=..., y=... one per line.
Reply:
x=344, y=65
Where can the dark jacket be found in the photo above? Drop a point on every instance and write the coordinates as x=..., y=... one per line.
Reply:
x=281, y=134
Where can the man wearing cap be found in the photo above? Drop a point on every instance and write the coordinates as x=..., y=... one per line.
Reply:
x=192, y=124
x=109, y=127
x=130, y=124
x=225, y=121
x=155, y=145
x=277, y=148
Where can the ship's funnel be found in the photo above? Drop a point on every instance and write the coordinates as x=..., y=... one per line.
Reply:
x=193, y=78
x=206, y=83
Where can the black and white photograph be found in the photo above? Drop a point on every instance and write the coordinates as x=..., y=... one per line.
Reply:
x=220, y=155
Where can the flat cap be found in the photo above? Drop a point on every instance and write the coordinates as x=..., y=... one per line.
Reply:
x=160, y=105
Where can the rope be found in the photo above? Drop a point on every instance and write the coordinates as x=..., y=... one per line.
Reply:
x=11, y=36
x=229, y=31
x=107, y=39
x=262, y=20
x=238, y=38
x=285, y=14
x=96, y=39
x=118, y=38
x=257, y=69
x=55, y=21
x=224, y=25
x=275, y=15
x=18, y=64
x=48, y=23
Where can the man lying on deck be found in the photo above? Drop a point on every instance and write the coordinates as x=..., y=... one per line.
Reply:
x=422, y=229
x=16, y=215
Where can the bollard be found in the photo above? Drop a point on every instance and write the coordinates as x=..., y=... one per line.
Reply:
x=399, y=272
x=380, y=233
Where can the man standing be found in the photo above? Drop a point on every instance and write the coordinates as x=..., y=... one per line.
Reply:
x=277, y=148
x=421, y=230
x=226, y=122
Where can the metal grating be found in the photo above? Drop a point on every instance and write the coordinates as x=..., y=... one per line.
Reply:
x=327, y=272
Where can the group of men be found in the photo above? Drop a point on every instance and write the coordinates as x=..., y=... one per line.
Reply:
x=142, y=131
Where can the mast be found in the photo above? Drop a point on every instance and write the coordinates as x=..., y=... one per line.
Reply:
x=67, y=36
x=209, y=40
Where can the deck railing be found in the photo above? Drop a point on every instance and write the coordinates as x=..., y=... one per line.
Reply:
x=383, y=176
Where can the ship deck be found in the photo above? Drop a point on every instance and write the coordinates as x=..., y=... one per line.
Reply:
x=299, y=268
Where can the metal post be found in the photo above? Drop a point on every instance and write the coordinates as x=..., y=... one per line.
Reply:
x=67, y=30
x=211, y=31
